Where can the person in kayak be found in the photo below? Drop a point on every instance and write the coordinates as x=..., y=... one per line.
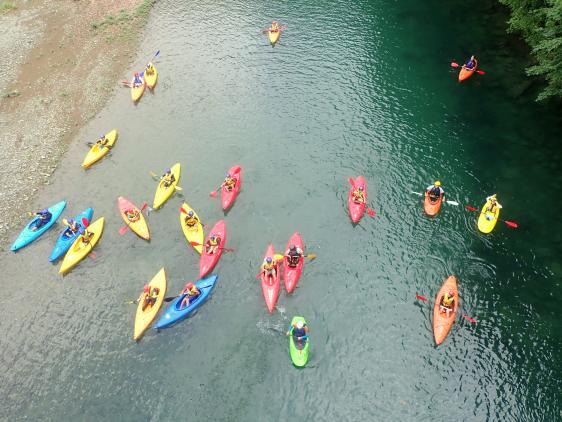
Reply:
x=359, y=195
x=446, y=305
x=86, y=236
x=149, y=296
x=299, y=332
x=293, y=255
x=44, y=216
x=229, y=182
x=73, y=228
x=132, y=214
x=191, y=293
x=268, y=267
x=149, y=69
x=102, y=141
x=435, y=191
x=212, y=244
x=491, y=209
x=191, y=221
x=274, y=27
x=168, y=178
x=137, y=81
x=471, y=64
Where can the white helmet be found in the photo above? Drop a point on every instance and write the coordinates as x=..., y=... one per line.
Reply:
x=300, y=324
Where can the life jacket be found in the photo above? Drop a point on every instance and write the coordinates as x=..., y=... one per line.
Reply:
x=448, y=301
x=191, y=221
x=213, y=242
x=268, y=267
x=193, y=292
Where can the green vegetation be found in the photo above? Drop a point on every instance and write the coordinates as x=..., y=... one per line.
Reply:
x=540, y=23
x=143, y=9
x=5, y=6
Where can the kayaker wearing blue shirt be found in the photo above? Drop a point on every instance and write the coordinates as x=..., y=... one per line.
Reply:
x=435, y=191
x=73, y=228
x=44, y=217
x=137, y=81
x=299, y=331
x=471, y=64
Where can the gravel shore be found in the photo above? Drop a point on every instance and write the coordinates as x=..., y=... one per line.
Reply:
x=61, y=62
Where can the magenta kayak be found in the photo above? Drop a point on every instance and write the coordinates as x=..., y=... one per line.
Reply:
x=228, y=197
x=269, y=284
x=356, y=210
x=208, y=261
x=291, y=275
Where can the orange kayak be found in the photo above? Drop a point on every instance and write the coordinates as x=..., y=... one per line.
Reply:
x=465, y=73
x=430, y=207
x=441, y=322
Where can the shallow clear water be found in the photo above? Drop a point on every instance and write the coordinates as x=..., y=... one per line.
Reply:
x=373, y=95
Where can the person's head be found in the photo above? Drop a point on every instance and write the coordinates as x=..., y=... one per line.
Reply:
x=451, y=293
x=71, y=222
x=44, y=211
x=136, y=74
x=214, y=237
x=189, y=286
x=227, y=174
x=300, y=324
x=269, y=260
x=361, y=188
x=190, y=213
x=437, y=183
x=493, y=198
x=168, y=170
x=293, y=248
x=146, y=288
x=274, y=23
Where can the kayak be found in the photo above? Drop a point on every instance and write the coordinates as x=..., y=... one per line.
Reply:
x=298, y=349
x=430, y=207
x=28, y=235
x=78, y=251
x=356, y=210
x=143, y=318
x=67, y=237
x=228, y=197
x=151, y=79
x=273, y=36
x=174, y=313
x=140, y=227
x=441, y=322
x=195, y=234
x=487, y=220
x=291, y=275
x=208, y=261
x=162, y=192
x=270, y=285
x=96, y=153
x=137, y=91
x=465, y=73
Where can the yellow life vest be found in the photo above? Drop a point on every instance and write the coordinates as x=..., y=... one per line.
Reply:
x=448, y=301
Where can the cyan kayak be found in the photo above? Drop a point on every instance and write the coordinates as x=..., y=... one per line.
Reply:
x=67, y=238
x=174, y=314
x=27, y=235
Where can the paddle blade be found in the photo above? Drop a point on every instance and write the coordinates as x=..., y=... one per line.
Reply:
x=92, y=255
x=123, y=230
x=182, y=210
x=195, y=244
x=370, y=212
x=213, y=194
x=144, y=206
x=311, y=256
x=152, y=174
x=157, y=53
x=452, y=203
x=470, y=208
x=454, y=64
x=228, y=249
x=511, y=224
x=472, y=320
x=351, y=181
x=65, y=222
x=179, y=189
x=169, y=299
x=85, y=222
x=421, y=298
x=416, y=193
x=278, y=257
x=480, y=72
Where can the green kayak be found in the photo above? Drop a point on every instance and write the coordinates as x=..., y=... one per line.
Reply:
x=298, y=348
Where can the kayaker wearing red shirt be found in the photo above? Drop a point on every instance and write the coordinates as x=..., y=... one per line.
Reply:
x=359, y=195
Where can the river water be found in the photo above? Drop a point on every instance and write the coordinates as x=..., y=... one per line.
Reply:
x=352, y=88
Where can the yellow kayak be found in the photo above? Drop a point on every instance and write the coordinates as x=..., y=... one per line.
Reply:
x=273, y=36
x=194, y=234
x=144, y=318
x=139, y=226
x=151, y=79
x=162, y=192
x=97, y=151
x=79, y=249
x=487, y=220
x=137, y=91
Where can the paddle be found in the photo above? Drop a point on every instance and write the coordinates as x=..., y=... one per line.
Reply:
x=125, y=229
x=455, y=203
x=214, y=193
x=480, y=72
x=509, y=223
x=85, y=223
x=155, y=55
x=281, y=28
x=279, y=257
x=223, y=248
x=156, y=177
x=472, y=320
x=370, y=211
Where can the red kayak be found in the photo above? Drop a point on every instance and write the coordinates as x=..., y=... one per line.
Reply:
x=270, y=285
x=228, y=197
x=465, y=73
x=291, y=275
x=356, y=210
x=430, y=207
x=208, y=261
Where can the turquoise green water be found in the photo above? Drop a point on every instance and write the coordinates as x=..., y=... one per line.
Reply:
x=372, y=94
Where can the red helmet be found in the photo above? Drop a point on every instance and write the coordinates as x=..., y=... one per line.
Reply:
x=136, y=73
x=189, y=286
x=146, y=288
x=451, y=293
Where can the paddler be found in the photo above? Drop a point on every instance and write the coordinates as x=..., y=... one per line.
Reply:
x=191, y=221
x=299, y=331
x=293, y=255
x=168, y=178
x=44, y=217
x=149, y=296
x=137, y=81
x=358, y=195
x=268, y=267
x=149, y=69
x=491, y=209
x=435, y=191
x=132, y=214
x=471, y=64
x=102, y=141
x=274, y=27
x=447, y=302
x=212, y=244
x=73, y=227
x=86, y=237
x=229, y=182
x=191, y=293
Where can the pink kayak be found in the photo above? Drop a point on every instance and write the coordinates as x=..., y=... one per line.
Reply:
x=270, y=285
x=228, y=197
x=356, y=210
x=208, y=261
x=291, y=275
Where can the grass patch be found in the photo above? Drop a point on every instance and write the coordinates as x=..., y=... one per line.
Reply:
x=6, y=6
x=124, y=17
x=143, y=9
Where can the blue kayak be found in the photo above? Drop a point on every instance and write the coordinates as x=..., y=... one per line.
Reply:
x=28, y=235
x=174, y=313
x=67, y=238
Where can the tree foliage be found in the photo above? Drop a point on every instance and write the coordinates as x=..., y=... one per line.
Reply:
x=540, y=22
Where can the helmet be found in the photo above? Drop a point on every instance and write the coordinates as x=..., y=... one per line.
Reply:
x=293, y=247
x=361, y=187
x=227, y=174
x=451, y=293
x=71, y=221
x=437, y=183
x=168, y=170
x=190, y=213
x=300, y=324
x=146, y=288
x=269, y=260
x=214, y=236
x=189, y=286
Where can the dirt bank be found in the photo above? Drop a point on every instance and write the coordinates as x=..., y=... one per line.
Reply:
x=61, y=61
